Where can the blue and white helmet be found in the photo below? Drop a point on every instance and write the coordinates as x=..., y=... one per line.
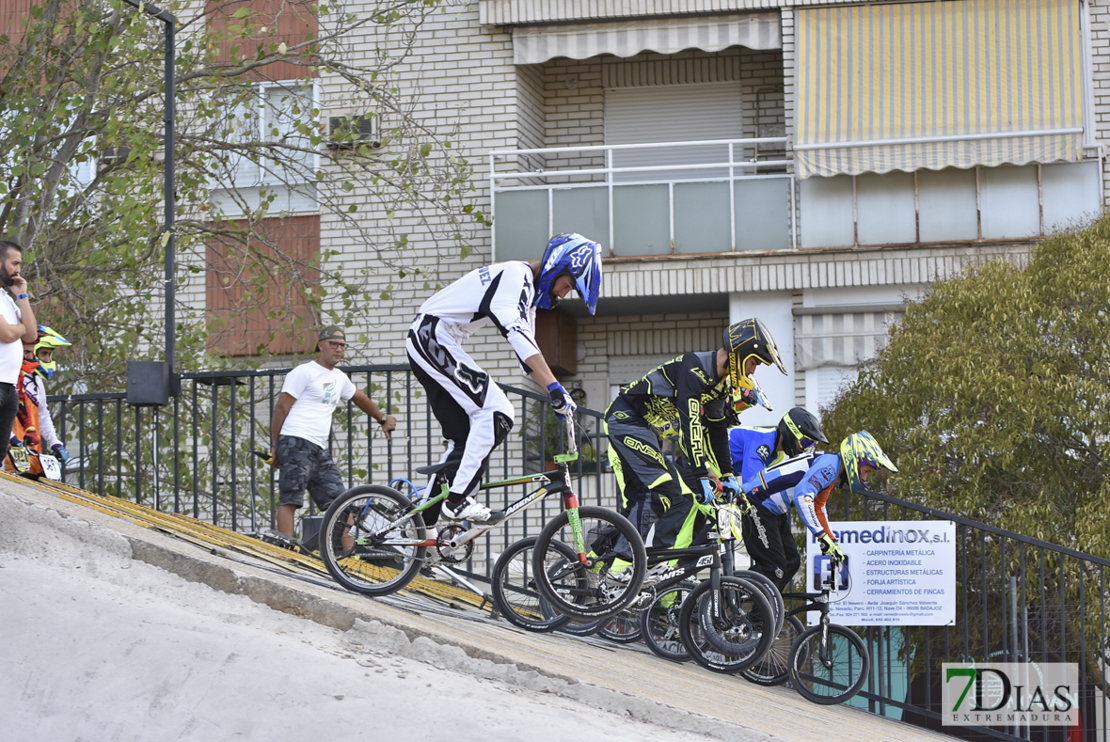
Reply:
x=577, y=256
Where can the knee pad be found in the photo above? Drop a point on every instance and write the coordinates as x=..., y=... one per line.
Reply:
x=502, y=425
x=668, y=491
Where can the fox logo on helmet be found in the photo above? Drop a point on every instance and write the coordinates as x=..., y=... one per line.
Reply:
x=579, y=257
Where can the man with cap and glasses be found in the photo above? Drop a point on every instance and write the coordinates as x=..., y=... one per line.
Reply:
x=301, y=425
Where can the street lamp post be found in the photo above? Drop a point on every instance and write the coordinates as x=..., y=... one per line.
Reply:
x=153, y=383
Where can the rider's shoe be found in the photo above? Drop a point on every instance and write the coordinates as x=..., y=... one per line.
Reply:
x=469, y=509
x=656, y=572
x=621, y=571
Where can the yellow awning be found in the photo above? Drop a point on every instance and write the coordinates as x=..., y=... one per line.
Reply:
x=931, y=85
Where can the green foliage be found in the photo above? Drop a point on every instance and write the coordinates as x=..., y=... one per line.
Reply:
x=993, y=396
x=81, y=171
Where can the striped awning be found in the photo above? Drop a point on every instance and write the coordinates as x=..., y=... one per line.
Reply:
x=913, y=86
x=535, y=44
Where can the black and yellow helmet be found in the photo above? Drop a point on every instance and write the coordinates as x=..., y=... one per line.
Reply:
x=798, y=430
x=862, y=448
x=745, y=339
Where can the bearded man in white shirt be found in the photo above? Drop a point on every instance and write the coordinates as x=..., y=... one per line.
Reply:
x=17, y=321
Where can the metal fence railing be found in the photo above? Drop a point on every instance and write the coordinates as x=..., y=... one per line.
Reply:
x=1018, y=598
x=195, y=456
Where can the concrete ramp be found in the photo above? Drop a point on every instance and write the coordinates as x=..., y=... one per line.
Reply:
x=561, y=681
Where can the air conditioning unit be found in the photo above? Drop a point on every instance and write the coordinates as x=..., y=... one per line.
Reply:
x=348, y=132
x=113, y=156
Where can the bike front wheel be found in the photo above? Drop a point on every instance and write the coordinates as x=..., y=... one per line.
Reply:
x=773, y=668
x=586, y=592
x=659, y=623
x=832, y=673
x=514, y=588
x=359, y=551
x=729, y=628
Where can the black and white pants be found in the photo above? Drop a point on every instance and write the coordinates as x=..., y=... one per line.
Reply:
x=770, y=544
x=473, y=412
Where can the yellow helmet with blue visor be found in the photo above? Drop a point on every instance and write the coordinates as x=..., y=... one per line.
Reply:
x=48, y=340
x=862, y=448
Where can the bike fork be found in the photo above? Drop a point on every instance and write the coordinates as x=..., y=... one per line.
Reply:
x=570, y=504
x=823, y=647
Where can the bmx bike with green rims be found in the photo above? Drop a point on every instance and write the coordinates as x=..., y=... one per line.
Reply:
x=374, y=541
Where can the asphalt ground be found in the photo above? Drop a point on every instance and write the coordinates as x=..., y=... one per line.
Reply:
x=622, y=679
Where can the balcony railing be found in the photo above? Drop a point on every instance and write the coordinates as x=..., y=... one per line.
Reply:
x=667, y=198
x=727, y=196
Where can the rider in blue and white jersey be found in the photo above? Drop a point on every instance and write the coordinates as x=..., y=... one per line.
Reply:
x=788, y=448
x=859, y=455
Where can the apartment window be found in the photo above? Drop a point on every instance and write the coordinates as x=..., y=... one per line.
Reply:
x=275, y=158
x=832, y=343
x=673, y=113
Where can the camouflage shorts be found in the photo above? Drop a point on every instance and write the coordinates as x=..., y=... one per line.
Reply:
x=304, y=465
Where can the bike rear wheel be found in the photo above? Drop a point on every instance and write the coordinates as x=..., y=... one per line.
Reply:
x=357, y=554
x=587, y=592
x=659, y=623
x=514, y=588
x=770, y=591
x=773, y=668
x=832, y=676
x=576, y=628
x=727, y=629
x=623, y=628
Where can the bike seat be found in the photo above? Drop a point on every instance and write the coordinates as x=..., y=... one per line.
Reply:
x=431, y=469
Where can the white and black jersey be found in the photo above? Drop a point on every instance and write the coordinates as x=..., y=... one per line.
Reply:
x=501, y=293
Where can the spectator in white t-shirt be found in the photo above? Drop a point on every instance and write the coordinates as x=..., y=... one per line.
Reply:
x=17, y=320
x=301, y=425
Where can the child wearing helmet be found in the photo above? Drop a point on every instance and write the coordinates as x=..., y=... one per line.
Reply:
x=473, y=412
x=789, y=446
x=692, y=395
x=33, y=425
x=812, y=481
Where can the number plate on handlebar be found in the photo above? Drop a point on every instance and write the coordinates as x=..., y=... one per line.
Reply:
x=51, y=467
x=826, y=572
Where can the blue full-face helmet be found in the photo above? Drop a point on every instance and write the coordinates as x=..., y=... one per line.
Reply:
x=577, y=256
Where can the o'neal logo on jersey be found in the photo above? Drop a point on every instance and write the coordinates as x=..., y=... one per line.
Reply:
x=697, y=449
